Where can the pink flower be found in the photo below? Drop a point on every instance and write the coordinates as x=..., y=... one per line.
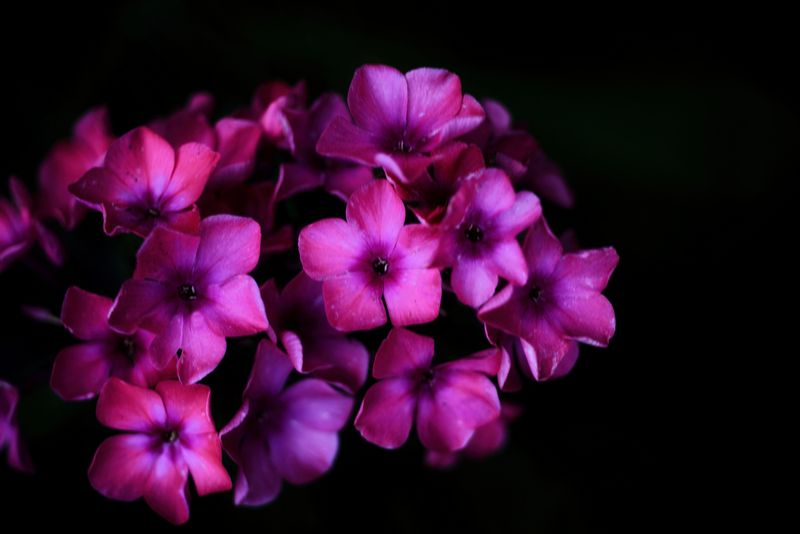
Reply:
x=235, y=139
x=16, y=453
x=297, y=319
x=310, y=170
x=144, y=182
x=169, y=435
x=429, y=193
x=449, y=401
x=81, y=370
x=269, y=102
x=518, y=356
x=369, y=256
x=67, y=162
x=479, y=236
x=486, y=441
x=282, y=433
x=19, y=230
x=560, y=302
x=193, y=292
x=399, y=119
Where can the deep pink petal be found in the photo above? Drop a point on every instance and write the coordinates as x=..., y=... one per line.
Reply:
x=413, y=296
x=330, y=247
x=201, y=349
x=235, y=307
x=343, y=139
x=125, y=407
x=417, y=247
x=166, y=488
x=203, y=455
x=402, y=353
x=122, y=465
x=387, y=412
x=473, y=281
x=378, y=211
x=588, y=268
x=141, y=160
x=469, y=117
x=142, y=303
x=237, y=143
x=567, y=362
x=85, y=314
x=542, y=250
x=586, y=315
x=229, y=246
x=434, y=98
x=457, y=404
x=187, y=407
x=486, y=362
x=193, y=165
x=353, y=302
x=80, y=371
x=550, y=345
x=378, y=99
x=164, y=254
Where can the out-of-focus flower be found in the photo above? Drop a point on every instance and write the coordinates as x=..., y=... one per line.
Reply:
x=449, y=401
x=193, y=292
x=169, y=434
x=19, y=230
x=10, y=439
x=282, y=432
x=268, y=105
x=372, y=257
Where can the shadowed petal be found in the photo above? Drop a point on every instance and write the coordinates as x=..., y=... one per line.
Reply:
x=402, y=353
x=85, y=314
x=387, y=412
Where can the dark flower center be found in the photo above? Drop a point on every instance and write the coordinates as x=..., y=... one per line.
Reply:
x=169, y=436
x=153, y=212
x=378, y=173
x=427, y=376
x=127, y=346
x=403, y=146
x=473, y=233
x=187, y=292
x=380, y=266
x=535, y=294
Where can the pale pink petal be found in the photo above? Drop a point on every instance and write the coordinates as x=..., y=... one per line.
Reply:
x=585, y=315
x=525, y=210
x=469, y=117
x=164, y=253
x=588, y=268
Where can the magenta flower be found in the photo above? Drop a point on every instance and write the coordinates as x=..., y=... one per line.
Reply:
x=310, y=170
x=193, y=292
x=479, y=235
x=10, y=439
x=297, y=319
x=67, y=162
x=428, y=194
x=269, y=102
x=19, y=230
x=81, y=370
x=517, y=356
x=449, y=401
x=486, y=441
x=282, y=433
x=559, y=303
x=144, y=182
x=235, y=139
x=169, y=435
x=369, y=256
x=399, y=119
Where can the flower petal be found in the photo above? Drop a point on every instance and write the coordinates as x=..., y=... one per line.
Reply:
x=473, y=281
x=434, y=98
x=166, y=488
x=187, y=407
x=229, y=246
x=80, y=371
x=193, y=165
x=125, y=407
x=353, y=302
x=121, y=466
x=378, y=99
x=85, y=314
x=378, y=211
x=141, y=160
x=402, y=353
x=330, y=247
x=387, y=412
x=343, y=139
x=413, y=296
x=235, y=307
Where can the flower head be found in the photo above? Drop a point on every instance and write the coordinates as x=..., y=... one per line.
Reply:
x=19, y=230
x=193, y=292
x=169, y=434
x=449, y=401
x=144, y=182
x=372, y=257
x=399, y=119
x=282, y=432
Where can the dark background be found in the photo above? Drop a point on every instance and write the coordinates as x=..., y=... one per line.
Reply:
x=679, y=140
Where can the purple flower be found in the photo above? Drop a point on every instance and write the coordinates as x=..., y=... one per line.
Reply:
x=479, y=236
x=282, y=433
x=486, y=441
x=517, y=355
x=144, y=182
x=559, y=303
x=169, y=435
x=297, y=319
x=236, y=140
x=399, y=119
x=369, y=256
x=19, y=230
x=80, y=371
x=449, y=401
x=310, y=170
x=193, y=292
x=16, y=453
x=67, y=162
x=269, y=102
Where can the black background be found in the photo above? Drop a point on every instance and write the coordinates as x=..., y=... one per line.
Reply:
x=679, y=139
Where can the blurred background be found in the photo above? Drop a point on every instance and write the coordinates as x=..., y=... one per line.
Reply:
x=679, y=140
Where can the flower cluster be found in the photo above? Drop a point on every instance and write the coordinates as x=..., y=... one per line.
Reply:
x=442, y=195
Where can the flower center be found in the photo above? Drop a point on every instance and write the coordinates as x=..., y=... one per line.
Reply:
x=187, y=292
x=378, y=173
x=380, y=266
x=534, y=294
x=403, y=146
x=127, y=346
x=153, y=212
x=473, y=233
x=169, y=436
